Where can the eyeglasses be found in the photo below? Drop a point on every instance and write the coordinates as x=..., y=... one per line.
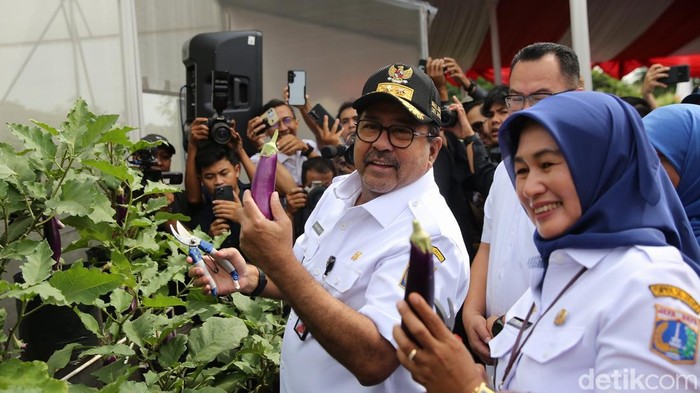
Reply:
x=400, y=136
x=286, y=120
x=516, y=102
x=478, y=126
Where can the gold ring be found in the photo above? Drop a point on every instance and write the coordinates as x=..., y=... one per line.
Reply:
x=412, y=354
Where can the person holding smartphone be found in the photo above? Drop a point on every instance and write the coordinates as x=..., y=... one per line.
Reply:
x=293, y=151
x=218, y=169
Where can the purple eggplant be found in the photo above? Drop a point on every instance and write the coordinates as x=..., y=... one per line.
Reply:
x=419, y=277
x=264, y=179
x=420, y=265
x=120, y=201
x=53, y=237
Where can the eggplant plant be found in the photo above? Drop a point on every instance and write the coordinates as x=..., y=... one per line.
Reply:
x=153, y=330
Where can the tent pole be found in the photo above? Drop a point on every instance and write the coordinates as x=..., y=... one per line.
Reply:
x=423, y=19
x=580, y=39
x=495, y=42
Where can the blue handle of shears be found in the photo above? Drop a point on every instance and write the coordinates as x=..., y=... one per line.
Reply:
x=199, y=262
x=209, y=249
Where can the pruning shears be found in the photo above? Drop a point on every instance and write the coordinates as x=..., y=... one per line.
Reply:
x=195, y=244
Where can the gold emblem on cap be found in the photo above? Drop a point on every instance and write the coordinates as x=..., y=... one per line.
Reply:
x=396, y=90
x=435, y=108
x=561, y=317
x=400, y=74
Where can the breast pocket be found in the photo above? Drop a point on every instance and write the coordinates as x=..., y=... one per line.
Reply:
x=548, y=344
x=342, y=277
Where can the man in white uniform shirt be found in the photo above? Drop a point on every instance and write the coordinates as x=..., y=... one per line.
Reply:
x=500, y=271
x=345, y=275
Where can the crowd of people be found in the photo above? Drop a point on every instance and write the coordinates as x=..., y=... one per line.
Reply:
x=565, y=232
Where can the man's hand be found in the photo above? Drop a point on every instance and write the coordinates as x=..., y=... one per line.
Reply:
x=329, y=134
x=453, y=70
x=256, y=132
x=290, y=144
x=303, y=108
x=435, y=357
x=226, y=209
x=199, y=131
x=651, y=80
x=462, y=129
x=296, y=200
x=218, y=227
x=435, y=70
x=248, y=277
x=265, y=242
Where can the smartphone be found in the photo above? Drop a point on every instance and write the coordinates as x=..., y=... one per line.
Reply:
x=296, y=81
x=269, y=118
x=422, y=63
x=224, y=193
x=676, y=74
x=317, y=113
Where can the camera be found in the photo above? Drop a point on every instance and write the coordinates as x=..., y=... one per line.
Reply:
x=347, y=152
x=219, y=125
x=448, y=118
x=146, y=160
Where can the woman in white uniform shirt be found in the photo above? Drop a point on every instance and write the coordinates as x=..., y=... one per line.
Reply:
x=614, y=303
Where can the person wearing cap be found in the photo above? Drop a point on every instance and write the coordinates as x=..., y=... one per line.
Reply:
x=164, y=152
x=345, y=274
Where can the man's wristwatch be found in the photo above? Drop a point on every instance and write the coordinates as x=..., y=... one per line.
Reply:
x=309, y=150
x=262, y=282
x=471, y=139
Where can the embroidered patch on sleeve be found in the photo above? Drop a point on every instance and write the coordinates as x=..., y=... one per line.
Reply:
x=665, y=290
x=675, y=335
x=438, y=254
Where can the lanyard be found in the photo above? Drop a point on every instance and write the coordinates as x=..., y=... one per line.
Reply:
x=515, y=352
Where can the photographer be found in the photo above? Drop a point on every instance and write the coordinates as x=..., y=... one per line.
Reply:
x=199, y=134
x=218, y=167
x=317, y=174
x=154, y=163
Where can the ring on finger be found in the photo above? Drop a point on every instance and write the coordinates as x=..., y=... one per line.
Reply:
x=412, y=354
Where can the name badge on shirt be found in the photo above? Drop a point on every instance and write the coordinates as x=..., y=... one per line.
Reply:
x=317, y=228
x=300, y=329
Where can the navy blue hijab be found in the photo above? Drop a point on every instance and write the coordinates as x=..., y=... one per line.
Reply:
x=626, y=198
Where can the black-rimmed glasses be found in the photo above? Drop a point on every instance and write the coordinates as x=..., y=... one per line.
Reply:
x=287, y=120
x=516, y=102
x=400, y=136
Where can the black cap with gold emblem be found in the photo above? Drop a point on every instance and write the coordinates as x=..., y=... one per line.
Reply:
x=406, y=84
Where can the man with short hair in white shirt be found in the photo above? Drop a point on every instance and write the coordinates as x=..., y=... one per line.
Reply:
x=500, y=272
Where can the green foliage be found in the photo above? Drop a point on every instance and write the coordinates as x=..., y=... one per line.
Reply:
x=78, y=172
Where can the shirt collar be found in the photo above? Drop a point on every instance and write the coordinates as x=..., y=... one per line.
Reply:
x=584, y=257
x=385, y=207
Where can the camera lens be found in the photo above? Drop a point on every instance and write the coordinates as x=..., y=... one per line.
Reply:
x=448, y=118
x=220, y=133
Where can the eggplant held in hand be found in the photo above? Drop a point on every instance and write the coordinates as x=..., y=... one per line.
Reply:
x=264, y=179
x=420, y=265
x=419, y=277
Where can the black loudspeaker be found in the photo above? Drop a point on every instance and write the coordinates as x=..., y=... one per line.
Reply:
x=240, y=54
